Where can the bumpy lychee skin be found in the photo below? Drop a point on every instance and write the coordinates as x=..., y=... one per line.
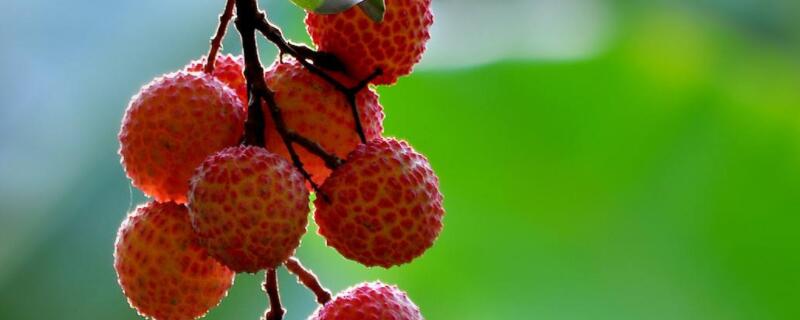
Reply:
x=228, y=69
x=249, y=207
x=385, y=208
x=394, y=45
x=369, y=301
x=162, y=269
x=313, y=108
x=171, y=126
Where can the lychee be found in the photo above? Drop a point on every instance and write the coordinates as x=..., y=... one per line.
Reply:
x=394, y=45
x=249, y=207
x=384, y=205
x=228, y=69
x=171, y=126
x=313, y=108
x=162, y=269
x=369, y=301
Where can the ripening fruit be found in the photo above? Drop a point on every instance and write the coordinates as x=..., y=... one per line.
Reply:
x=385, y=208
x=394, y=45
x=313, y=108
x=162, y=269
x=369, y=301
x=228, y=69
x=171, y=126
x=249, y=208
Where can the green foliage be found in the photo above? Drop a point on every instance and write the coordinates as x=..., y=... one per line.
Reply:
x=327, y=6
x=373, y=8
x=308, y=4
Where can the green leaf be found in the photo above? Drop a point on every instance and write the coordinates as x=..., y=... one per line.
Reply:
x=326, y=6
x=374, y=9
x=308, y=4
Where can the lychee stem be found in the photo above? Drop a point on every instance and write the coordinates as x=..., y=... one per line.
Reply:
x=247, y=14
x=253, y=72
x=308, y=279
x=274, y=34
x=275, y=311
x=216, y=41
x=351, y=99
x=331, y=160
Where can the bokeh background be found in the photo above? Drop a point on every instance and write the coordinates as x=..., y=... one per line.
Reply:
x=600, y=159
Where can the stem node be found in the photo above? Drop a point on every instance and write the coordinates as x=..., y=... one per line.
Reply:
x=308, y=279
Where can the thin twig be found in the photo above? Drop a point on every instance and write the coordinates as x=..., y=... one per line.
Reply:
x=351, y=99
x=275, y=311
x=275, y=35
x=331, y=160
x=308, y=279
x=280, y=125
x=216, y=41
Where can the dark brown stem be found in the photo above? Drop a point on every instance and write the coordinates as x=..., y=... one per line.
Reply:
x=303, y=55
x=331, y=160
x=280, y=125
x=253, y=72
x=275, y=311
x=308, y=279
x=216, y=41
x=351, y=99
x=247, y=16
x=275, y=35
x=324, y=60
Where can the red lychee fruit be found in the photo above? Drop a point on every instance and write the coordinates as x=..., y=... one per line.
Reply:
x=369, y=301
x=171, y=126
x=228, y=69
x=393, y=45
x=313, y=108
x=384, y=207
x=162, y=269
x=249, y=207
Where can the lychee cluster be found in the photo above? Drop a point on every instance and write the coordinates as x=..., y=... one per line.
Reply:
x=223, y=204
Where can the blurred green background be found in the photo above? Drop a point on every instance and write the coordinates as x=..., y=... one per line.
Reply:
x=599, y=159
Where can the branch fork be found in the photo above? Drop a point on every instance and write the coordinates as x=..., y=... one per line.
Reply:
x=248, y=20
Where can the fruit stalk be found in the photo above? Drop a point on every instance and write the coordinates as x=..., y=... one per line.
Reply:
x=275, y=311
x=247, y=16
x=253, y=72
x=331, y=160
x=308, y=279
x=351, y=99
x=216, y=41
